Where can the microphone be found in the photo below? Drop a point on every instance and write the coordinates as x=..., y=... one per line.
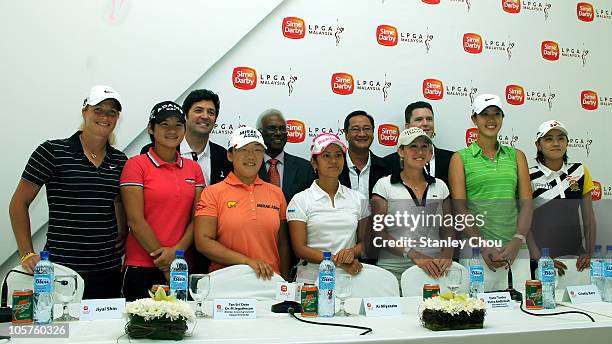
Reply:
x=6, y=313
x=514, y=294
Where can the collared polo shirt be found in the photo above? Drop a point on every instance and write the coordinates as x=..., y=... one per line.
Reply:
x=557, y=198
x=359, y=180
x=248, y=217
x=492, y=189
x=203, y=158
x=168, y=192
x=81, y=197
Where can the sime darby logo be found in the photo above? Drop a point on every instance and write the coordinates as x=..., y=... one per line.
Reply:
x=550, y=50
x=386, y=35
x=515, y=95
x=596, y=192
x=294, y=27
x=244, y=78
x=296, y=131
x=588, y=100
x=433, y=89
x=388, y=134
x=342, y=83
x=585, y=12
x=472, y=43
x=511, y=6
x=471, y=135
x=431, y=2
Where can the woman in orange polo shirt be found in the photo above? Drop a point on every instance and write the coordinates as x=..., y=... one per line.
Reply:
x=241, y=220
x=160, y=190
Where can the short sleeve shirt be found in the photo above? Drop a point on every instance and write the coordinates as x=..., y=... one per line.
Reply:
x=329, y=228
x=169, y=192
x=248, y=217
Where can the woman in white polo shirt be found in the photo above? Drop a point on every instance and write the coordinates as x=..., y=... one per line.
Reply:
x=327, y=216
x=412, y=192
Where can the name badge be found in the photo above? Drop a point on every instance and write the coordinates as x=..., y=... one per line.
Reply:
x=234, y=309
x=500, y=301
x=286, y=291
x=380, y=306
x=582, y=294
x=102, y=309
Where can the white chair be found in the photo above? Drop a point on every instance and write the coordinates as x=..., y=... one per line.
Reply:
x=374, y=281
x=414, y=278
x=498, y=280
x=240, y=281
x=16, y=281
x=572, y=276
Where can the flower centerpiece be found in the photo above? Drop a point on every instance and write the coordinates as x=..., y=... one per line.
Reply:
x=451, y=311
x=158, y=317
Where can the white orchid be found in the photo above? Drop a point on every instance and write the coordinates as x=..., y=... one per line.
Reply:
x=152, y=309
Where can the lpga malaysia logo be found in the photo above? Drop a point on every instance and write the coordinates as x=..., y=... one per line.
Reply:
x=344, y=84
x=296, y=28
x=516, y=95
x=246, y=78
x=577, y=142
x=587, y=13
x=514, y=7
x=473, y=43
x=434, y=89
x=389, y=36
x=314, y=131
x=589, y=100
x=471, y=135
x=551, y=52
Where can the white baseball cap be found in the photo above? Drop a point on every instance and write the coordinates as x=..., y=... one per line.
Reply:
x=322, y=141
x=547, y=126
x=99, y=93
x=483, y=101
x=243, y=136
x=408, y=136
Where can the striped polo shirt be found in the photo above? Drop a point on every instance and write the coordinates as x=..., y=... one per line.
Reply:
x=491, y=189
x=557, y=197
x=81, y=197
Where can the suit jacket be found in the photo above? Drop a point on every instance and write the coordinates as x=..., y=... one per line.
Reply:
x=378, y=169
x=443, y=158
x=298, y=175
x=220, y=167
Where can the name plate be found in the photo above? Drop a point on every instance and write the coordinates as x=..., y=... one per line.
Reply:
x=286, y=291
x=235, y=309
x=102, y=309
x=380, y=306
x=500, y=301
x=581, y=294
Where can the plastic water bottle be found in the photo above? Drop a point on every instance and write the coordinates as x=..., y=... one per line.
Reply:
x=327, y=282
x=608, y=274
x=476, y=268
x=43, y=290
x=546, y=266
x=597, y=269
x=178, y=276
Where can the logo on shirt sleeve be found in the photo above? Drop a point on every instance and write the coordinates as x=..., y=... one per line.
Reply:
x=232, y=204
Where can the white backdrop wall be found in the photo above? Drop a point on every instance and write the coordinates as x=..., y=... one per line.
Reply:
x=395, y=52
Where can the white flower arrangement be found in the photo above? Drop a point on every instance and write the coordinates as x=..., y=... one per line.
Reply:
x=453, y=305
x=151, y=309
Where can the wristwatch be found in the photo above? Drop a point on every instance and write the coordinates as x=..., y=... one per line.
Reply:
x=521, y=237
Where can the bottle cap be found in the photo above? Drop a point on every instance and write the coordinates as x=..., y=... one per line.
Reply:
x=545, y=252
x=44, y=255
x=327, y=255
x=609, y=248
x=475, y=251
x=180, y=253
x=597, y=248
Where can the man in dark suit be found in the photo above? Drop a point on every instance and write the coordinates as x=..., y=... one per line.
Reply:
x=291, y=173
x=420, y=114
x=362, y=168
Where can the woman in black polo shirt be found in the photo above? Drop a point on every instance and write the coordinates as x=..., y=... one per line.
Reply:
x=81, y=174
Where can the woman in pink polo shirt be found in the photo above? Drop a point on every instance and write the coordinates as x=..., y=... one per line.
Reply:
x=159, y=190
x=241, y=220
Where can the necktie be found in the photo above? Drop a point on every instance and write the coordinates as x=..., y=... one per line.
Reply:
x=273, y=173
x=427, y=169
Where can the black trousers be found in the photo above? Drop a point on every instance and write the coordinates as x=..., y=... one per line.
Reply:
x=104, y=284
x=137, y=280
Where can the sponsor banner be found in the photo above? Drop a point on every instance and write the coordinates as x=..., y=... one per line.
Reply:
x=517, y=95
x=296, y=131
x=585, y=12
x=388, y=134
x=433, y=89
x=389, y=36
x=244, y=78
x=345, y=84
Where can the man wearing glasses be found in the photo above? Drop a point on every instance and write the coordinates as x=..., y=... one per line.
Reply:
x=362, y=168
x=289, y=172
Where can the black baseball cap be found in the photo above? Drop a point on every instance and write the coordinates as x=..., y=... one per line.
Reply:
x=166, y=109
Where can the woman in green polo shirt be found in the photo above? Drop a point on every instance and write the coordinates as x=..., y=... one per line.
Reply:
x=486, y=179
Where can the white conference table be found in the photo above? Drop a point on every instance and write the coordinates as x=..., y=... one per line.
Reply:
x=500, y=327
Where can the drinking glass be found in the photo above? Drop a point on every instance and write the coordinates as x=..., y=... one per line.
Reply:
x=453, y=279
x=343, y=291
x=65, y=288
x=199, y=287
